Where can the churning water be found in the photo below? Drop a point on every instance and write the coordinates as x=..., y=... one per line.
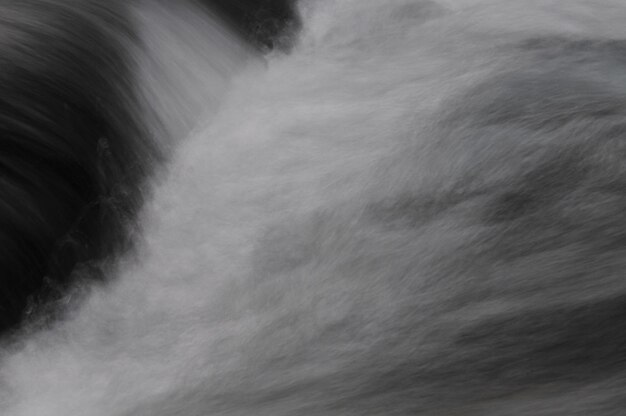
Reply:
x=417, y=210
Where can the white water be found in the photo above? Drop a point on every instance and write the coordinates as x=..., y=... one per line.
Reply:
x=253, y=248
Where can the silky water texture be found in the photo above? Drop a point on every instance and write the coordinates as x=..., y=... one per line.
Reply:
x=417, y=210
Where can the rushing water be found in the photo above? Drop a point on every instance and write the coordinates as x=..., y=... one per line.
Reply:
x=418, y=210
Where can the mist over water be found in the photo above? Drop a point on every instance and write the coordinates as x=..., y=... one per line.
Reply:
x=389, y=219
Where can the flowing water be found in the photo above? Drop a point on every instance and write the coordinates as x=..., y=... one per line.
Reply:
x=417, y=210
